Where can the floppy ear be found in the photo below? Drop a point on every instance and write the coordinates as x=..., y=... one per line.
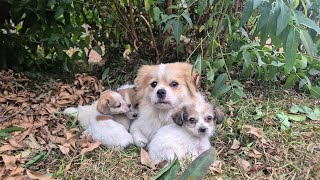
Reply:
x=192, y=82
x=141, y=80
x=180, y=116
x=103, y=105
x=219, y=115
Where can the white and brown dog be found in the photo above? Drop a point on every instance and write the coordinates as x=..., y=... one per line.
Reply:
x=189, y=136
x=160, y=88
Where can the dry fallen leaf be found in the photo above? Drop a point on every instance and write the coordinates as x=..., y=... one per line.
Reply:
x=14, y=143
x=24, y=134
x=32, y=142
x=7, y=147
x=235, y=144
x=244, y=164
x=145, y=159
x=38, y=175
x=17, y=171
x=91, y=147
x=63, y=149
x=254, y=131
x=9, y=161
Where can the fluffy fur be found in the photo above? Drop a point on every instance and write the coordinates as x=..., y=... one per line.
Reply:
x=194, y=124
x=160, y=88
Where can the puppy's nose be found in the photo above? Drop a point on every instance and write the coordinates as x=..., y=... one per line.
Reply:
x=135, y=115
x=202, y=129
x=161, y=93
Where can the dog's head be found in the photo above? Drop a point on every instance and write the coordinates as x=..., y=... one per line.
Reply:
x=166, y=85
x=199, y=119
x=129, y=94
x=111, y=102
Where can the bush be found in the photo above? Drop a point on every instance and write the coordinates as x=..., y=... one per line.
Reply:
x=269, y=41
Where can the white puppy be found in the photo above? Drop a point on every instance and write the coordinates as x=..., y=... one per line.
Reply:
x=160, y=88
x=189, y=136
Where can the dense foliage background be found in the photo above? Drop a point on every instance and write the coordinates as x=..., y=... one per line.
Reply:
x=230, y=42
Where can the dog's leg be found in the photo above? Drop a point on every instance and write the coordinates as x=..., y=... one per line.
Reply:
x=139, y=139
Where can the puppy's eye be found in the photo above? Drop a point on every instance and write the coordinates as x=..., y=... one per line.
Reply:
x=153, y=84
x=192, y=120
x=136, y=106
x=129, y=105
x=209, y=118
x=119, y=105
x=174, y=84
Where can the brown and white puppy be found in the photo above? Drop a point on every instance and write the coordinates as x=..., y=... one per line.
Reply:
x=128, y=93
x=160, y=88
x=189, y=136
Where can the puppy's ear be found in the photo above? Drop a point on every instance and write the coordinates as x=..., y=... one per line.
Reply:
x=219, y=115
x=192, y=81
x=180, y=116
x=140, y=82
x=103, y=105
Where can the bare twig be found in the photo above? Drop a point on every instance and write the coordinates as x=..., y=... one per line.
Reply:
x=10, y=116
x=132, y=24
x=154, y=42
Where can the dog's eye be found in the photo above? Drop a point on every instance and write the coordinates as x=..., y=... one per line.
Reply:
x=136, y=106
x=192, y=120
x=119, y=105
x=129, y=105
x=153, y=84
x=209, y=118
x=174, y=84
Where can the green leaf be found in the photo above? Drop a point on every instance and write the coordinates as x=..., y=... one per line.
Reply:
x=305, y=81
x=284, y=120
x=294, y=109
x=172, y=174
x=315, y=91
x=307, y=42
x=247, y=61
x=59, y=11
x=164, y=171
x=36, y=159
x=290, y=81
x=220, y=87
x=264, y=9
x=283, y=19
x=12, y=129
x=177, y=30
x=201, y=6
x=240, y=92
x=186, y=16
x=98, y=49
x=199, y=167
x=304, y=61
x=65, y=65
x=246, y=13
x=51, y=2
x=256, y=3
x=105, y=73
x=156, y=14
x=297, y=117
x=302, y=19
x=291, y=50
x=198, y=64
x=147, y=4
x=260, y=62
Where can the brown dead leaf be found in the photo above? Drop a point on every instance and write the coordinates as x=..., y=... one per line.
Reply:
x=235, y=144
x=24, y=134
x=254, y=131
x=145, y=159
x=2, y=169
x=14, y=143
x=63, y=149
x=91, y=147
x=9, y=161
x=244, y=164
x=8, y=147
x=32, y=142
x=23, y=154
x=38, y=175
x=17, y=171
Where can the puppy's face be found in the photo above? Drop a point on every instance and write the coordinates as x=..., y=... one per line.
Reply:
x=199, y=119
x=130, y=97
x=111, y=102
x=166, y=85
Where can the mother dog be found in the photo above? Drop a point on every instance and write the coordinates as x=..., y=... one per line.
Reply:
x=160, y=88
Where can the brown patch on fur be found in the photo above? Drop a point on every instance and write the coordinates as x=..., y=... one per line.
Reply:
x=105, y=101
x=131, y=94
x=104, y=117
x=219, y=115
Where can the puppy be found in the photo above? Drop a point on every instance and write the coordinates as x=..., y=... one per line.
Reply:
x=160, y=88
x=128, y=93
x=194, y=124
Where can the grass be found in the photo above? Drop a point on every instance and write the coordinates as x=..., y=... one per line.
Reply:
x=287, y=154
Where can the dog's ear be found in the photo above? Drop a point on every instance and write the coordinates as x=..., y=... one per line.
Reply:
x=219, y=115
x=103, y=105
x=180, y=116
x=140, y=82
x=192, y=81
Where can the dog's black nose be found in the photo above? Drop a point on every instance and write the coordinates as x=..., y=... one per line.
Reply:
x=202, y=129
x=161, y=93
x=135, y=115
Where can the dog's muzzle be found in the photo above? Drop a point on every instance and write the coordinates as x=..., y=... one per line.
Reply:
x=161, y=93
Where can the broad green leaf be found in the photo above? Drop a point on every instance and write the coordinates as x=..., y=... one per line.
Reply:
x=284, y=120
x=177, y=30
x=313, y=72
x=240, y=92
x=65, y=65
x=12, y=129
x=166, y=18
x=186, y=16
x=97, y=48
x=290, y=81
x=36, y=159
x=294, y=3
x=305, y=81
x=264, y=9
x=105, y=73
x=219, y=63
x=220, y=86
x=173, y=172
x=294, y=109
x=198, y=64
x=272, y=22
x=302, y=19
x=260, y=62
x=148, y=4
x=247, y=61
x=283, y=18
x=165, y=170
x=168, y=25
x=256, y=3
x=291, y=50
x=51, y=2
x=277, y=63
x=156, y=13
x=199, y=167
x=315, y=91
x=59, y=11
x=236, y=83
x=304, y=61
x=297, y=117
x=247, y=12
x=307, y=42
x=201, y=6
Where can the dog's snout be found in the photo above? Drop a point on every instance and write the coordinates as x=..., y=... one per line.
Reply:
x=203, y=129
x=135, y=115
x=161, y=93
